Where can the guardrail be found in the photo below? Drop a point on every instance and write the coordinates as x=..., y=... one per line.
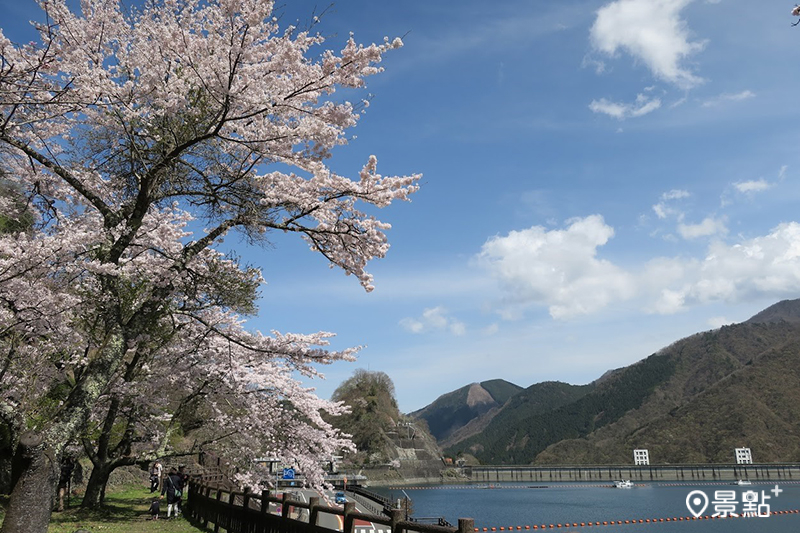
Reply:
x=248, y=512
x=385, y=502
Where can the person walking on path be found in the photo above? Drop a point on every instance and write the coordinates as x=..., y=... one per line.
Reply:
x=64, y=480
x=173, y=488
x=155, y=508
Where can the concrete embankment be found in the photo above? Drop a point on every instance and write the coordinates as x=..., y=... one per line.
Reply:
x=405, y=482
x=566, y=473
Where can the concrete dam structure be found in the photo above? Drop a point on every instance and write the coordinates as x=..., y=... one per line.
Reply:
x=591, y=473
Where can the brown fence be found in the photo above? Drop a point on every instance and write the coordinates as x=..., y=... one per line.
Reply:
x=248, y=512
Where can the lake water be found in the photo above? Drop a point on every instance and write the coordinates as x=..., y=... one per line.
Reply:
x=512, y=505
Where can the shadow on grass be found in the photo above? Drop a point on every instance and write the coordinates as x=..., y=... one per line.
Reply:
x=125, y=511
x=125, y=506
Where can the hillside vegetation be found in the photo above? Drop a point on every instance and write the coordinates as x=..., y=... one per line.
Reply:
x=694, y=401
x=552, y=412
x=389, y=444
x=452, y=411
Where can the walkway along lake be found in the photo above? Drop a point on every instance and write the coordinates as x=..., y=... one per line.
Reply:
x=515, y=505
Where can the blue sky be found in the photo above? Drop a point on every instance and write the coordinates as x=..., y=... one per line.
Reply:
x=600, y=179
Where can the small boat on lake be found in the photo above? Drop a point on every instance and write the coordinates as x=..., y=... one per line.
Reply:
x=624, y=484
x=744, y=482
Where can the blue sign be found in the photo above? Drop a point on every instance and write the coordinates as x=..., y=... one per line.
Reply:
x=288, y=473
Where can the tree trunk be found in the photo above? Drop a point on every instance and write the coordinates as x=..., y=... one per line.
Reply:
x=31, y=501
x=6, y=455
x=96, y=486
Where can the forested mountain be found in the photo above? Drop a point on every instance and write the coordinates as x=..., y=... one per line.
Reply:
x=389, y=444
x=454, y=410
x=693, y=401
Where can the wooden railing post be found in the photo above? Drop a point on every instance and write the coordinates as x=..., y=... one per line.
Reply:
x=313, y=503
x=217, y=518
x=397, y=515
x=231, y=510
x=349, y=521
x=284, y=506
x=264, y=502
x=245, y=510
x=205, y=514
x=466, y=525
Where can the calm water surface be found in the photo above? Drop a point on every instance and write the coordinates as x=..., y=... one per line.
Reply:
x=553, y=503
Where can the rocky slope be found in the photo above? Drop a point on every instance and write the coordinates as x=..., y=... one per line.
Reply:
x=471, y=406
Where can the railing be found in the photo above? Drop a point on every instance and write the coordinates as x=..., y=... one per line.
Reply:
x=386, y=503
x=654, y=472
x=367, y=504
x=248, y=512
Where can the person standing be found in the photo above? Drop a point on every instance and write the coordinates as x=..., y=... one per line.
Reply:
x=155, y=476
x=159, y=472
x=172, y=486
x=64, y=480
x=184, y=484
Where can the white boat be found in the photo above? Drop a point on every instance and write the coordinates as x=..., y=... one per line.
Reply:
x=624, y=484
x=743, y=482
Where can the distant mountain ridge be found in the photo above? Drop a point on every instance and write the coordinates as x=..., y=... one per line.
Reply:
x=784, y=311
x=693, y=401
x=452, y=411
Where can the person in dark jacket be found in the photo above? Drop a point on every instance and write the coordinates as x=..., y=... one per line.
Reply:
x=67, y=466
x=184, y=486
x=155, y=508
x=173, y=488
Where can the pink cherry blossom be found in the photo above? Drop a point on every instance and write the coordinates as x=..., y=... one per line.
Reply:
x=125, y=129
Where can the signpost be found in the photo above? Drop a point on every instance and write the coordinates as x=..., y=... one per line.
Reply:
x=288, y=473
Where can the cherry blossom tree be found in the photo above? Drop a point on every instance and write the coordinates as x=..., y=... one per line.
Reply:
x=212, y=386
x=125, y=130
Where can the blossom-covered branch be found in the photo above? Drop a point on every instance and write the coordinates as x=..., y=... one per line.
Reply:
x=123, y=128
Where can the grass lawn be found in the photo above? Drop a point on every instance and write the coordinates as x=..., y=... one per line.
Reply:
x=125, y=511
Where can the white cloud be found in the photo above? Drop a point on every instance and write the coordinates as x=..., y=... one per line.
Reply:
x=641, y=106
x=434, y=319
x=766, y=266
x=652, y=32
x=491, y=329
x=675, y=194
x=663, y=209
x=727, y=97
x=557, y=268
x=708, y=227
x=752, y=186
x=457, y=328
x=717, y=322
x=599, y=66
x=560, y=269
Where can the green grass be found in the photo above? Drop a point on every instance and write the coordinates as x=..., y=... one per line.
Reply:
x=125, y=511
